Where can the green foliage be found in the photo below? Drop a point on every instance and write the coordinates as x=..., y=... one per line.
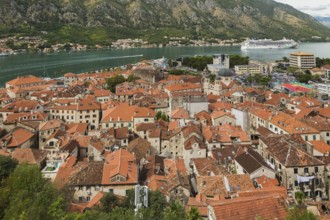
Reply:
x=178, y=72
x=322, y=61
x=109, y=202
x=114, y=81
x=285, y=59
x=236, y=59
x=212, y=78
x=7, y=165
x=118, y=79
x=300, y=197
x=197, y=62
x=296, y=214
x=161, y=115
x=27, y=195
x=193, y=214
x=304, y=77
x=175, y=211
x=259, y=79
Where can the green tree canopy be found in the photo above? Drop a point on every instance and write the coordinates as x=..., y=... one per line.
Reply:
x=27, y=195
x=7, y=165
x=296, y=214
x=114, y=81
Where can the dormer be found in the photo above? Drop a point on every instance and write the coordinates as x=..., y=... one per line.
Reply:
x=118, y=178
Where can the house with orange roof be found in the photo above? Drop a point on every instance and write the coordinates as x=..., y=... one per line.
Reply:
x=320, y=148
x=220, y=136
x=183, y=87
x=25, y=81
x=319, y=123
x=295, y=168
x=297, y=103
x=258, y=117
x=204, y=118
x=84, y=110
x=221, y=118
x=27, y=117
x=282, y=123
x=173, y=142
x=177, y=180
x=181, y=115
x=69, y=78
x=30, y=156
x=125, y=115
x=120, y=172
x=73, y=128
x=20, y=106
x=265, y=207
x=18, y=138
x=47, y=129
x=219, y=105
x=276, y=99
x=101, y=95
x=194, y=147
x=85, y=180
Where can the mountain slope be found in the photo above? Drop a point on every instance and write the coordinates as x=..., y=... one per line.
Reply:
x=120, y=18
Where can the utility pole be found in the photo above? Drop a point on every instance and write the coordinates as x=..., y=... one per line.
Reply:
x=141, y=197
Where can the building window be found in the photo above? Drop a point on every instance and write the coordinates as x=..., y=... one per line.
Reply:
x=328, y=134
x=295, y=170
x=80, y=188
x=80, y=199
x=306, y=170
x=306, y=138
x=314, y=137
x=316, y=169
x=295, y=183
x=88, y=198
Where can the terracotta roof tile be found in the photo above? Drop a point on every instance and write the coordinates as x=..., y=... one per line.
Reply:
x=250, y=208
x=29, y=155
x=120, y=168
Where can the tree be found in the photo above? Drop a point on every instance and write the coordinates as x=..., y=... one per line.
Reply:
x=114, y=81
x=197, y=62
x=296, y=214
x=7, y=165
x=300, y=197
x=109, y=202
x=158, y=115
x=27, y=195
x=212, y=78
x=193, y=214
x=164, y=117
x=236, y=59
x=175, y=211
x=157, y=202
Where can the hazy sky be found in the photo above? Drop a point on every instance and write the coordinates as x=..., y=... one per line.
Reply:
x=312, y=7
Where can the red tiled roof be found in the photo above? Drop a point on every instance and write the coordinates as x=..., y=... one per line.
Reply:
x=29, y=155
x=266, y=207
x=120, y=163
x=17, y=137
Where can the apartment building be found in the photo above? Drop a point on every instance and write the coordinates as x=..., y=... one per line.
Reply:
x=302, y=60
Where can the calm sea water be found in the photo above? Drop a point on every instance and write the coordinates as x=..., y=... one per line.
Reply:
x=56, y=64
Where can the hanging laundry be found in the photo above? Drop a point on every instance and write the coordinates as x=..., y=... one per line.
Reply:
x=303, y=179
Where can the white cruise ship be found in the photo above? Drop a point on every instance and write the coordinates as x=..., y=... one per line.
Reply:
x=268, y=44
